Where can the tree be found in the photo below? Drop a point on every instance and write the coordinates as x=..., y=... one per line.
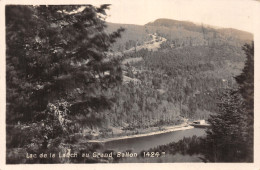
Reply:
x=58, y=67
x=230, y=137
x=226, y=138
x=246, y=89
x=57, y=53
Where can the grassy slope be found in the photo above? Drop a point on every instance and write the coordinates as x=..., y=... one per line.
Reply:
x=132, y=32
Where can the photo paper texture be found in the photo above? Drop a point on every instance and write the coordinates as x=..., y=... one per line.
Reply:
x=130, y=82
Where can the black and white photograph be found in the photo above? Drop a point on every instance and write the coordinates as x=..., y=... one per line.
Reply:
x=168, y=81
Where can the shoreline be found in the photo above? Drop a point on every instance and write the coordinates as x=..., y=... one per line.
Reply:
x=167, y=130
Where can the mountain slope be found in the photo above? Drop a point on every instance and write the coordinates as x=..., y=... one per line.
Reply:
x=186, y=25
x=182, y=77
x=178, y=33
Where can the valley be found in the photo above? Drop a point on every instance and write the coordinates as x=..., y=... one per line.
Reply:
x=175, y=70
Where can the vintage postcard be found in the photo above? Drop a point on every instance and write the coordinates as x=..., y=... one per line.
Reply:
x=129, y=84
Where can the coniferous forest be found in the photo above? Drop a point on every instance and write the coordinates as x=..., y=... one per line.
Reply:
x=72, y=78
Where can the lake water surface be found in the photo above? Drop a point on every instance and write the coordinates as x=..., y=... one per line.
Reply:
x=144, y=143
x=136, y=145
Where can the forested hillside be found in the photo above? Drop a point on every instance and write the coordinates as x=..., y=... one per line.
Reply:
x=182, y=78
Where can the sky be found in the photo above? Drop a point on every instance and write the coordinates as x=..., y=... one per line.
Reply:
x=239, y=14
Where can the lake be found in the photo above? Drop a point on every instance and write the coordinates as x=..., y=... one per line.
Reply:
x=136, y=145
